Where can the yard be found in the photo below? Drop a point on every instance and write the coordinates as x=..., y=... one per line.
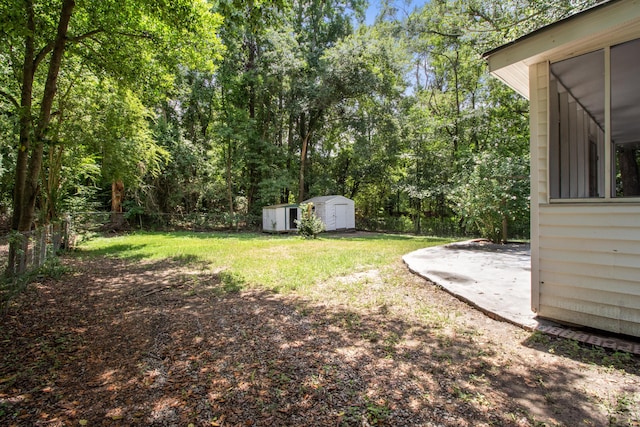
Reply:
x=186, y=329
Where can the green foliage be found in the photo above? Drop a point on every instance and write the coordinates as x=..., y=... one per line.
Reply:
x=231, y=282
x=53, y=268
x=309, y=225
x=493, y=193
x=91, y=90
x=200, y=114
x=122, y=135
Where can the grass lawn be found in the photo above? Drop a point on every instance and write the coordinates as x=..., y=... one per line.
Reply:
x=149, y=329
x=279, y=263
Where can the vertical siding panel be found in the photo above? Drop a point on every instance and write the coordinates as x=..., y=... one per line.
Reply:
x=580, y=145
x=554, y=143
x=543, y=130
x=564, y=145
x=330, y=215
x=573, y=149
x=281, y=219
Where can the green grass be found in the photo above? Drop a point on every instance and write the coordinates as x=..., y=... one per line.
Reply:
x=280, y=263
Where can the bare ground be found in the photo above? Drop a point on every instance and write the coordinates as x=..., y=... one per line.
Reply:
x=120, y=343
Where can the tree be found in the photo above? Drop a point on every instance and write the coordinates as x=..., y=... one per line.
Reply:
x=122, y=140
x=318, y=26
x=306, y=100
x=128, y=41
x=183, y=126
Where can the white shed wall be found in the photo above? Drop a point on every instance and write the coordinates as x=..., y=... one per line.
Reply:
x=275, y=219
x=323, y=211
x=326, y=210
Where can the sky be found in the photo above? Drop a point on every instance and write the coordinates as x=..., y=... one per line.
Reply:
x=404, y=7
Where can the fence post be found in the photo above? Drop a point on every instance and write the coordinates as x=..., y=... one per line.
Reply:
x=65, y=232
x=42, y=242
x=56, y=237
x=23, y=253
x=35, y=248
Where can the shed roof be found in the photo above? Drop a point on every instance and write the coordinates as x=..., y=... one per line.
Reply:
x=324, y=199
x=610, y=22
x=282, y=205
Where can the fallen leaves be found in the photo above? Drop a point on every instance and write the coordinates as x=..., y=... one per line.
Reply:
x=123, y=344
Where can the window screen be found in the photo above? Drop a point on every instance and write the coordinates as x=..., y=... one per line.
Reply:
x=625, y=118
x=576, y=128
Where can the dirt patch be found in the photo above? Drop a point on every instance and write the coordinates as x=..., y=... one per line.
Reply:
x=152, y=343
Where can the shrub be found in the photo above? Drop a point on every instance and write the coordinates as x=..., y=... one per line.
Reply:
x=309, y=225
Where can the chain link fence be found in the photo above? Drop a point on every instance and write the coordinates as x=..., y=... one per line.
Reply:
x=434, y=226
x=100, y=222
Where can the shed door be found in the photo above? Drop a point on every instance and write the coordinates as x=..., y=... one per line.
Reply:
x=293, y=215
x=341, y=217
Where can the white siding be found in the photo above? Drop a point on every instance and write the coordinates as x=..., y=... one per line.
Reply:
x=276, y=219
x=589, y=265
x=542, y=131
x=585, y=258
x=270, y=220
x=539, y=105
x=329, y=216
x=351, y=216
x=325, y=209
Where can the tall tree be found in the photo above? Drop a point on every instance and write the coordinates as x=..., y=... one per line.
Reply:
x=127, y=40
x=318, y=26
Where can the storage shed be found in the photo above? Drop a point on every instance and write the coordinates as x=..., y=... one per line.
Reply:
x=337, y=212
x=581, y=76
x=280, y=218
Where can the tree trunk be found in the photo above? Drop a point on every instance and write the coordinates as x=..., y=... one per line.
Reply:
x=229, y=175
x=28, y=70
x=303, y=161
x=228, y=155
x=505, y=229
x=117, y=196
x=290, y=155
x=305, y=133
x=30, y=152
x=52, y=183
x=27, y=181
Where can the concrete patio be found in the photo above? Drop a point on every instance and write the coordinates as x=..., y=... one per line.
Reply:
x=497, y=280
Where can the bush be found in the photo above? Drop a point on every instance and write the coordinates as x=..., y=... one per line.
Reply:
x=309, y=225
x=493, y=195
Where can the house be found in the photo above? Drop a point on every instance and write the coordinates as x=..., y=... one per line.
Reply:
x=280, y=218
x=581, y=76
x=337, y=212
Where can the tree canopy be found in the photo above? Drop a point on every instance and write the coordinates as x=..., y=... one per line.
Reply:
x=225, y=106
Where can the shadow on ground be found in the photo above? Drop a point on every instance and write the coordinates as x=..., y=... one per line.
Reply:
x=155, y=344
